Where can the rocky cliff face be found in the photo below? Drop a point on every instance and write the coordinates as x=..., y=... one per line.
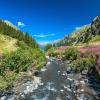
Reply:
x=95, y=26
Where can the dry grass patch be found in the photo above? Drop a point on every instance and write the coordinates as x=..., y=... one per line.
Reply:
x=7, y=44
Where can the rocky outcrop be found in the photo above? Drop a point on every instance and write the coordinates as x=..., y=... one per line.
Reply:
x=81, y=35
x=95, y=26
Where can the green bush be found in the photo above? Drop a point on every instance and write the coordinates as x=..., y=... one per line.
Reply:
x=7, y=80
x=20, y=60
x=95, y=38
x=71, y=54
x=48, y=46
x=51, y=52
x=84, y=63
x=17, y=61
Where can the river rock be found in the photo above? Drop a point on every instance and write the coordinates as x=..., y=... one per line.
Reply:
x=36, y=73
x=3, y=98
x=43, y=69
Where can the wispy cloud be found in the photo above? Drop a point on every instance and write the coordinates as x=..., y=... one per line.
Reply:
x=21, y=24
x=43, y=35
x=77, y=28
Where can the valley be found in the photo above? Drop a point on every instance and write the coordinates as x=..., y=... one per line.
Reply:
x=68, y=69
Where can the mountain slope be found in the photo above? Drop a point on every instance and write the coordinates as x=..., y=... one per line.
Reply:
x=19, y=55
x=83, y=35
x=7, y=44
x=7, y=28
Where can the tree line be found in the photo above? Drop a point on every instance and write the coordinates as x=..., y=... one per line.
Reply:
x=16, y=33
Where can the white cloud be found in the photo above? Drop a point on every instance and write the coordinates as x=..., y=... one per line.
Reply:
x=21, y=24
x=43, y=35
x=77, y=28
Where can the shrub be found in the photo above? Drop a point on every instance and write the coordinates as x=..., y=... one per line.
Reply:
x=71, y=53
x=21, y=59
x=51, y=52
x=7, y=80
x=17, y=61
x=84, y=63
x=48, y=46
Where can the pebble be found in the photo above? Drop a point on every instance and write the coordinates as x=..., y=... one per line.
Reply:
x=53, y=89
x=82, y=82
x=48, y=63
x=67, y=88
x=82, y=90
x=70, y=79
x=58, y=71
x=43, y=69
x=61, y=90
x=63, y=74
x=23, y=96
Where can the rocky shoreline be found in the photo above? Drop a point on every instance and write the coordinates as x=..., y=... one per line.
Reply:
x=85, y=81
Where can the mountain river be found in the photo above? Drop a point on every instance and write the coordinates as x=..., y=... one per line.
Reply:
x=54, y=82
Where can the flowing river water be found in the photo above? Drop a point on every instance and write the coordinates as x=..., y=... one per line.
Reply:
x=53, y=83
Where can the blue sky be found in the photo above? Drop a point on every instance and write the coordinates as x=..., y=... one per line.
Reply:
x=49, y=20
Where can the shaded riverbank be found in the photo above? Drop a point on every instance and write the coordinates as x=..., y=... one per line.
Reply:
x=54, y=83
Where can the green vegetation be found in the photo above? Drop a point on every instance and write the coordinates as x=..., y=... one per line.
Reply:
x=8, y=30
x=83, y=63
x=48, y=46
x=88, y=37
x=51, y=52
x=19, y=61
x=7, y=44
x=83, y=35
x=80, y=61
x=18, y=53
x=71, y=54
x=95, y=39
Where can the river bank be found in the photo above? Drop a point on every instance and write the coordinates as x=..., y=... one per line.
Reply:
x=54, y=82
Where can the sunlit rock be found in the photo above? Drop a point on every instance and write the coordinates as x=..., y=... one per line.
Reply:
x=47, y=57
x=43, y=69
x=61, y=90
x=70, y=79
x=82, y=82
x=82, y=90
x=58, y=98
x=48, y=63
x=59, y=71
x=3, y=98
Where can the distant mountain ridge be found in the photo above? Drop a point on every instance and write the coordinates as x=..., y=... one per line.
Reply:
x=82, y=35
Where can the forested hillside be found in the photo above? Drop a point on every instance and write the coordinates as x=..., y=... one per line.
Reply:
x=19, y=53
x=7, y=29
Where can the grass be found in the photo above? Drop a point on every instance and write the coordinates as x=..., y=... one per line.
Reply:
x=95, y=39
x=17, y=58
x=7, y=80
x=7, y=44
